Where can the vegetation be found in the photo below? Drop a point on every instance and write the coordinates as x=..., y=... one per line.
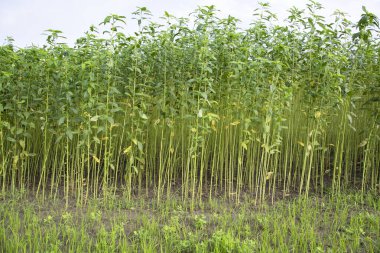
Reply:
x=345, y=223
x=199, y=109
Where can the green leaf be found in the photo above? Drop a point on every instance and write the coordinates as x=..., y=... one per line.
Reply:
x=94, y=118
x=19, y=131
x=363, y=143
x=69, y=134
x=349, y=117
x=127, y=150
x=140, y=146
x=11, y=139
x=22, y=144
x=61, y=121
x=143, y=116
x=200, y=113
x=244, y=145
x=96, y=139
x=111, y=120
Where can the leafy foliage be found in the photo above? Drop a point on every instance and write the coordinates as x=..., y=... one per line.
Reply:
x=202, y=107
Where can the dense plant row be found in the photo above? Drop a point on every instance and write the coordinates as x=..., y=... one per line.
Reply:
x=202, y=107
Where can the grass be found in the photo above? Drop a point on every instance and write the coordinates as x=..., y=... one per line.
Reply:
x=334, y=223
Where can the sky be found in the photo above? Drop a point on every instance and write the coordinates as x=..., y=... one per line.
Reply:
x=26, y=20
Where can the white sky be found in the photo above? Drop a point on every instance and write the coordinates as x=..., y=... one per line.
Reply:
x=26, y=20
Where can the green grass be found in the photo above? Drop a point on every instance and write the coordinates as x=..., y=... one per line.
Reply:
x=346, y=223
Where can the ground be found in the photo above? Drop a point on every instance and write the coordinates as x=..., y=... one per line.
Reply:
x=348, y=222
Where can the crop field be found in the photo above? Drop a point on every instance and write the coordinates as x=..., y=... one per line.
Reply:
x=194, y=135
